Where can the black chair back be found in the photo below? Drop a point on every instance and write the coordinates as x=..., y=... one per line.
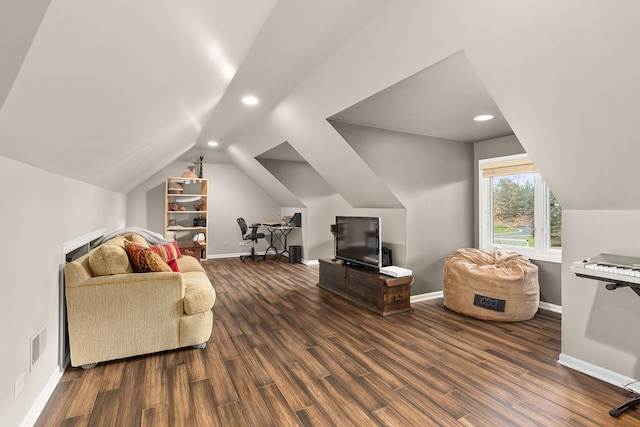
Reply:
x=243, y=226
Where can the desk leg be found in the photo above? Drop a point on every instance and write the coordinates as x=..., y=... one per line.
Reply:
x=270, y=246
x=285, y=248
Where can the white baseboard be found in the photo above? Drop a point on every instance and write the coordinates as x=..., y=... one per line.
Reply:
x=44, y=396
x=599, y=373
x=438, y=294
x=271, y=252
x=426, y=297
x=220, y=256
x=550, y=307
x=236, y=255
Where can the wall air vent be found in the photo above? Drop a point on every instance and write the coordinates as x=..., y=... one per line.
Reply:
x=38, y=345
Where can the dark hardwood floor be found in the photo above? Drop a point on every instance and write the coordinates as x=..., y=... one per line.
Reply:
x=285, y=353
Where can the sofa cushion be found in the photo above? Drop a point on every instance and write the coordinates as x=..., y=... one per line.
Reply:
x=169, y=254
x=189, y=263
x=199, y=295
x=109, y=259
x=144, y=260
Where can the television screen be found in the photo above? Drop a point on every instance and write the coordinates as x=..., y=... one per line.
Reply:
x=358, y=240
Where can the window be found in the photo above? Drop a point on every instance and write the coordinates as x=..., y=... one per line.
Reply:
x=518, y=212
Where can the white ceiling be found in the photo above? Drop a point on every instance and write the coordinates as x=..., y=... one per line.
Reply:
x=110, y=92
x=87, y=92
x=439, y=101
x=294, y=40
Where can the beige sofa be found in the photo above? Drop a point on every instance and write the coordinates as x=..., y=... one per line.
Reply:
x=114, y=312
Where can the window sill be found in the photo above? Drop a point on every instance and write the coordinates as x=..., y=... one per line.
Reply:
x=554, y=256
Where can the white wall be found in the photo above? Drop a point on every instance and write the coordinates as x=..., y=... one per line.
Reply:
x=600, y=326
x=433, y=178
x=231, y=195
x=322, y=201
x=40, y=212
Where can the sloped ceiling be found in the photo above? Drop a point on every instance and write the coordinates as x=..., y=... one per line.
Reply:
x=439, y=101
x=111, y=91
x=297, y=37
x=19, y=22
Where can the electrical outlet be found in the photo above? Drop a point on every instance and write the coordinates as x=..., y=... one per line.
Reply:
x=241, y=243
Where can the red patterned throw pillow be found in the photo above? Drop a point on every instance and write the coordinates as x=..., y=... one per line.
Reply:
x=169, y=253
x=144, y=260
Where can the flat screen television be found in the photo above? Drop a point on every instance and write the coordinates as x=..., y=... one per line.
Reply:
x=359, y=241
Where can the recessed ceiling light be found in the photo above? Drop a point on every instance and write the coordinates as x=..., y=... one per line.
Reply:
x=212, y=143
x=250, y=100
x=483, y=117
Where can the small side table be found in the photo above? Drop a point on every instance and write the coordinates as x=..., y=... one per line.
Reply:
x=190, y=247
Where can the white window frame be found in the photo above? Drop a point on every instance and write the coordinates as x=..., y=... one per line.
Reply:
x=543, y=250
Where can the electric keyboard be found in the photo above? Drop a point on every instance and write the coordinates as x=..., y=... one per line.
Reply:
x=618, y=269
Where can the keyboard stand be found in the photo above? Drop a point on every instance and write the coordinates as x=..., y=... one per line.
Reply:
x=631, y=404
x=613, y=282
x=616, y=285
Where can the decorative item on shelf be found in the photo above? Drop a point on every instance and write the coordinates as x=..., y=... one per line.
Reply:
x=182, y=209
x=174, y=206
x=189, y=173
x=200, y=167
x=199, y=237
x=199, y=222
x=172, y=223
x=175, y=188
x=198, y=206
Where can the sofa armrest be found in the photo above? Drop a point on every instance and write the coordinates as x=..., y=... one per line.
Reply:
x=188, y=263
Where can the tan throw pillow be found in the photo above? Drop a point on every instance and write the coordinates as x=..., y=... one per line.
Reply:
x=109, y=259
x=137, y=239
x=144, y=260
x=118, y=240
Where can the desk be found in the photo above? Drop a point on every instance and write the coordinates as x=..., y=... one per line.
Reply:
x=278, y=233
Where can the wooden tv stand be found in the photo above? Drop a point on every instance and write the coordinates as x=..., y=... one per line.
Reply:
x=381, y=294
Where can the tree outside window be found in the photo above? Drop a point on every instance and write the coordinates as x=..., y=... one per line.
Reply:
x=518, y=210
x=514, y=210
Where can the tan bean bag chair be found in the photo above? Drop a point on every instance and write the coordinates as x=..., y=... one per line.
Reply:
x=491, y=285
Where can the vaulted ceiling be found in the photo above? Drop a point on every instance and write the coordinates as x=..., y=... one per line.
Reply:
x=110, y=92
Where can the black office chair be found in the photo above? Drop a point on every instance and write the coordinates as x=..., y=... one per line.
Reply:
x=253, y=236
